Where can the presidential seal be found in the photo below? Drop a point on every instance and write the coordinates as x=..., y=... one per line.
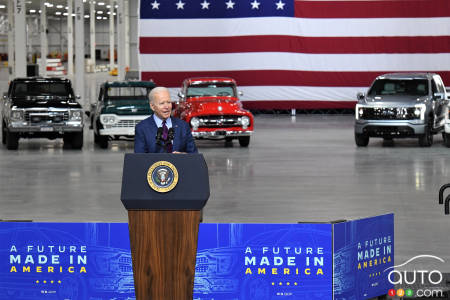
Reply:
x=162, y=176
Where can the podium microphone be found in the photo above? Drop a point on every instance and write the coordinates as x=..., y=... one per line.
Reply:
x=170, y=135
x=159, y=136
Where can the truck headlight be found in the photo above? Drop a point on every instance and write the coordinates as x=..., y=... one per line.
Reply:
x=359, y=111
x=75, y=115
x=17, y=114
x=195, y=122
x=108, y=119
x=419, y=111
x=245, y=121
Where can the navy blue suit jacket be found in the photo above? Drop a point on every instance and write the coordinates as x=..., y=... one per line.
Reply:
x=145, y=137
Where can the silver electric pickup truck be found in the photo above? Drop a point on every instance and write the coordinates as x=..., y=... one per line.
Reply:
x=401, y=105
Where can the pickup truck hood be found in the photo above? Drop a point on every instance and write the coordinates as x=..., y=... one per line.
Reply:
x=60, y=102
x=127, y=107
x=215, y=105
x=395, y=100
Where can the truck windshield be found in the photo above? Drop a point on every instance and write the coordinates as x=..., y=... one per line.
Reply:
x=127, y=92
x=207, y=90
x=413, y=87
x=23, y=89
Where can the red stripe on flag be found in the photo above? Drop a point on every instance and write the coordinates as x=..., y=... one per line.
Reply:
x=277, y=78
x=372, y=9
x=268, y=105
x=294, y=44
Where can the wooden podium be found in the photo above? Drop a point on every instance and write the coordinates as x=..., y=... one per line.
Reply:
x=164, y=194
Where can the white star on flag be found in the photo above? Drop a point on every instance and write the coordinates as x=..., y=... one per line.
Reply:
x=280, y=5
x=180, y=5
x=205, y=5
x=230, y=4
x=155, y=4
x=255, y=4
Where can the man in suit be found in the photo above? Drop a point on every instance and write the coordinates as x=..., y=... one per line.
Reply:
x=153, y=135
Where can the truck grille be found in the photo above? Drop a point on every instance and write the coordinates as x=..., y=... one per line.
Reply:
x=389, y=113
x=38, y=116
x=126, y=123
x=219, y=121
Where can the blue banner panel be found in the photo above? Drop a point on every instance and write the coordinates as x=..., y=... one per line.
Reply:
x=363, y=249
x=264, y=261
x=65, y=261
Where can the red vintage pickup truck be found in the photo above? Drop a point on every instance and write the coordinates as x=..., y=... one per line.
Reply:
x=212, y=107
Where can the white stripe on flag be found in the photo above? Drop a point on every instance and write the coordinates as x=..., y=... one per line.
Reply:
x=294, y=27
x=292, y=93
x=295, y=61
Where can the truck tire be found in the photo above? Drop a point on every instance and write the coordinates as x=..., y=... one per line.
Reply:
x=3, y=133
x=76, y=140
x=73, y=140
x=361, y=139
x=446, y=137
x=101, y=140
x=244, y=141
x=12, y=140
x=426, y=139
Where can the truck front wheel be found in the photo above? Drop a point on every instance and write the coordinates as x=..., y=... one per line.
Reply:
x=244, y=141
x=3, y=133
x=446, y=137
x=426, y=139
x=361, y=139
x=12, y=140
x=73, y=140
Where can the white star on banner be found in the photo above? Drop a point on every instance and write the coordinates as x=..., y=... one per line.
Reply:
x=255, y=4
x=155, y=4
x=280, y=5
x=230, y=4
x=205, y=5
x=180, y=5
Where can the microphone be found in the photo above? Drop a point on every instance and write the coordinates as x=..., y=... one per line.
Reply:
x=170, y=135
x=159, y=136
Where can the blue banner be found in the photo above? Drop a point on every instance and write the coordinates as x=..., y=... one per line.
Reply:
x=363, y=249
x=65, y=261
x=264, y=261
x=83, y=261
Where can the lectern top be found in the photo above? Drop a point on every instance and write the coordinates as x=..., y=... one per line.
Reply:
x=161, y=181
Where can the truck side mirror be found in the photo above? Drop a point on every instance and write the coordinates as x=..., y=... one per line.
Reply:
x=78, y=97
x=438, y=96
x=180, y=94
x=241, y=93
x=360, y=96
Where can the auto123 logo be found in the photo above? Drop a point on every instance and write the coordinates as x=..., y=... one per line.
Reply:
x=430, y=280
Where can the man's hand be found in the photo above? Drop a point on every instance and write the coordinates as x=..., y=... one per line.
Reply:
x=177, y=152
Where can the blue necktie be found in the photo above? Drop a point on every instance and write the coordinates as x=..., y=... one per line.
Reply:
x=165, y=135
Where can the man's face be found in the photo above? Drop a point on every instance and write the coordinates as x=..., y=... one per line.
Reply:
x=161, y=105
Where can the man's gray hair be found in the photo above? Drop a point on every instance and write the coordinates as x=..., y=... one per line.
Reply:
x=156, y=90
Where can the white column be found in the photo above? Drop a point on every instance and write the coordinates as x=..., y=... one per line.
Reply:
x=126, y=14
x=70, y=38
x=120, y=42
x=111, y=35
x=92, y=23
x=79, y=49
x=20, y=38
x=11, y=39
x=44, y=47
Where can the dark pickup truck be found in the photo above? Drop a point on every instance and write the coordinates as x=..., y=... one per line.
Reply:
x=41, y=108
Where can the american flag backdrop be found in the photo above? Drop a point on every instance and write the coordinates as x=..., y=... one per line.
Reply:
x=293, y=54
